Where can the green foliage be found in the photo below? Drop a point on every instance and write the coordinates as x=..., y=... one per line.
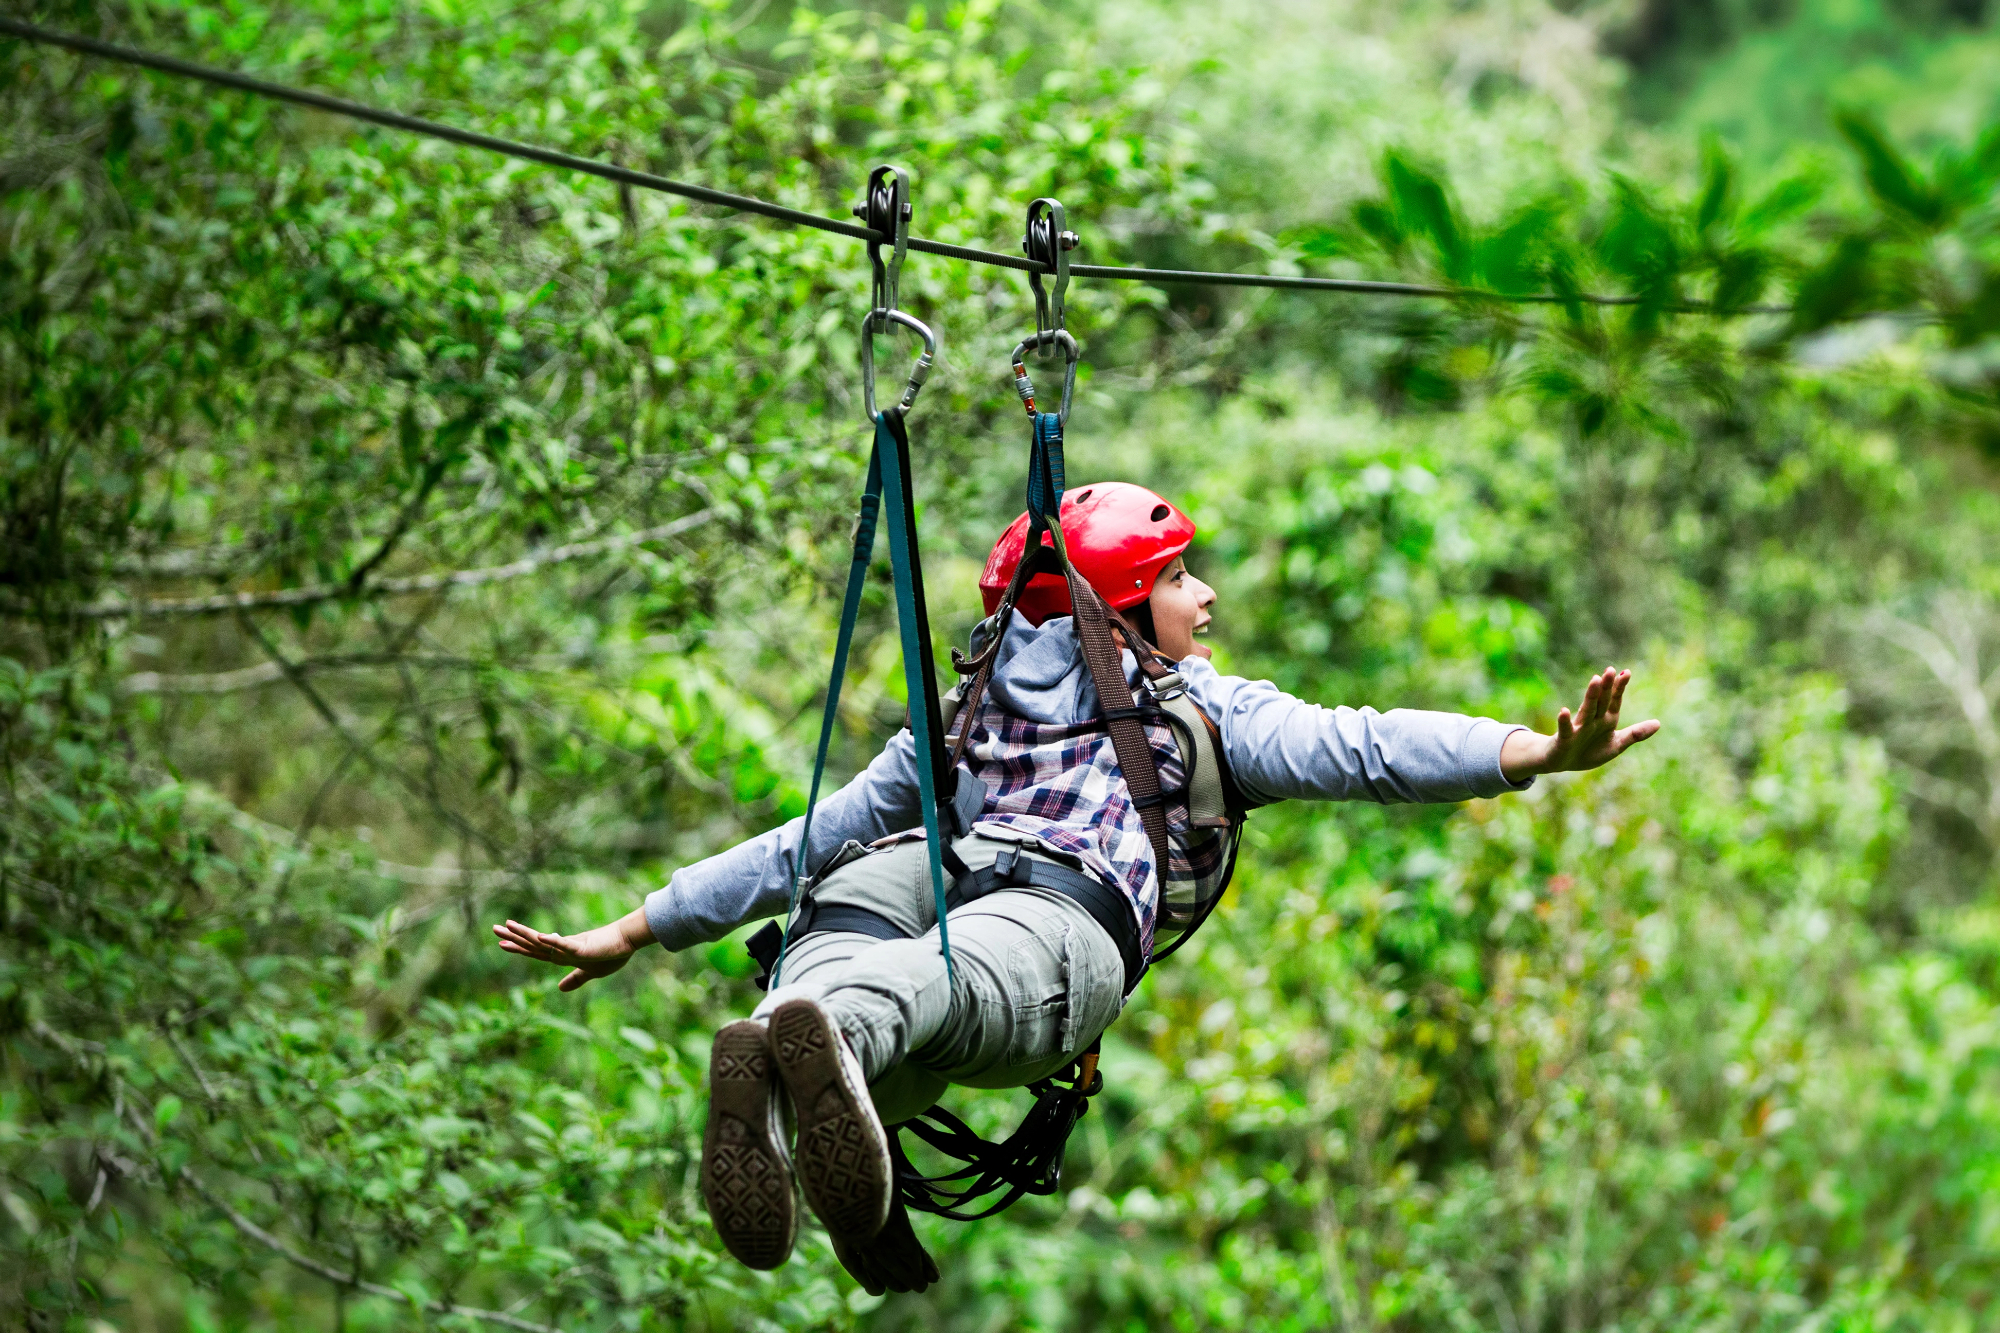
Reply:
x=534, y=489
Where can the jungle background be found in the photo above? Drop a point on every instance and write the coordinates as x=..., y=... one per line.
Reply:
x=397, y=537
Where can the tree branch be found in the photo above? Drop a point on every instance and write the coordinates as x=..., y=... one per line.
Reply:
x=270, y=673
x=314, y=593
x=81, y=1051
x=388, y=544
x=358, y=748
x=348, y=1280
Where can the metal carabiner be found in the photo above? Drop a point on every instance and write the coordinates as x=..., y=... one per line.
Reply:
x=885, y=210
x=1047, y=243
x=918, y=373
x=1051, y=338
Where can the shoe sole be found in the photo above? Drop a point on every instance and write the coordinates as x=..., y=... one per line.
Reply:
x=842, y=1153
x=745, y=1177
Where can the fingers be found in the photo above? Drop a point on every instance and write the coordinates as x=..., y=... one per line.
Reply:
x=573, y=980
x=1632, y=735
x=1618, y=696
x=1565, y=728
x=528, y=942
x=1602, y=698
x=1586, y=712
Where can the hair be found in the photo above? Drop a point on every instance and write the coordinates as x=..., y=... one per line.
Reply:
x=1141, y=616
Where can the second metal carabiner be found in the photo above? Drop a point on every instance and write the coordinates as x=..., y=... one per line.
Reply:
x=1050, y=339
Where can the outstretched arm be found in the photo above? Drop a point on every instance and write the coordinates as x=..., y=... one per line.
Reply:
x=1283, y=748
x=753, y=879
x=1589, y=739
x=593, y=954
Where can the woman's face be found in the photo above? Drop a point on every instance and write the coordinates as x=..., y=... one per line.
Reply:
x=1179, y=603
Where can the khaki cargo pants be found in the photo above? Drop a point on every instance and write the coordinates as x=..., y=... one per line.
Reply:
x=1037, y=978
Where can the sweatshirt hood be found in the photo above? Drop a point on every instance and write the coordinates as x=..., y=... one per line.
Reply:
x=1039, y=673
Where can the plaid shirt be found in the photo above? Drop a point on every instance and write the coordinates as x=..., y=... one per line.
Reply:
x=1062, y=785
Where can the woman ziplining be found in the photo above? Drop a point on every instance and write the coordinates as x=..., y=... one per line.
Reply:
x=977, y=905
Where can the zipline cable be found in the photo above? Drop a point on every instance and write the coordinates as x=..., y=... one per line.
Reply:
x=646, y=180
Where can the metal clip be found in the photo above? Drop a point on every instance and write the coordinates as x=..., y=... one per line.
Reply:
x=1025, y=387
x=1046, y=243
x=885, y=210
x=878, y=321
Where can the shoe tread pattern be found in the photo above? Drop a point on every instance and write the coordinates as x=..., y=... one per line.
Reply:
x=842, y=1164
x=744, y=1179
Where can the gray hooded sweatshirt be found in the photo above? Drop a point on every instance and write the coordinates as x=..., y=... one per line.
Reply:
x=1279, y=748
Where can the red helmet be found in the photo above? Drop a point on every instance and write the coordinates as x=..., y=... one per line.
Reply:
x=1120, y=537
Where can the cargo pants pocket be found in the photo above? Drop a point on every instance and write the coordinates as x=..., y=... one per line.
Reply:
x=1038, y=977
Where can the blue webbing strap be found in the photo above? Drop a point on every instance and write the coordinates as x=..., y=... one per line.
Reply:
x=1045, y=469
x=893, y=443
x=850, y=611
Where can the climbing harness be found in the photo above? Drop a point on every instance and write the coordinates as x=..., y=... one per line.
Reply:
x=1217, y=806
x=1029, y=1161
x=886, y=209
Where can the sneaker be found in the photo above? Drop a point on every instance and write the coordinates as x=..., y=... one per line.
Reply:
x=842, y=1154
x=746, y=1178
x=894, y=1261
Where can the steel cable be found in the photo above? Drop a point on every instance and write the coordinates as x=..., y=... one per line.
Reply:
x=645, y=180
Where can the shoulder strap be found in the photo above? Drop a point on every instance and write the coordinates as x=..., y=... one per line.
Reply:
x=1121, y=713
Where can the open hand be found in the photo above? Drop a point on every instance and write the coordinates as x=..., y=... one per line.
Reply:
x=594, y=953
x=1589, y=738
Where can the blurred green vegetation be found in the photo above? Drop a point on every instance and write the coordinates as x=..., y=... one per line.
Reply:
x=1707, y=1040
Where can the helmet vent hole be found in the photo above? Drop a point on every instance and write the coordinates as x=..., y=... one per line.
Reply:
x=1160, y=513
x=1081, y=498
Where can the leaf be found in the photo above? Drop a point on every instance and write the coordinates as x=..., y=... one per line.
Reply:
x=644, y=1040
x=1838, y=288
x=1510, y=259
x=1717, y=186
x=1785, y=200
x=1637, y=243
x=168, y=1111
x=1379, y=222
x=1424, y=208
x=1966, y=179
x=1739, y=278
x=1896, y=185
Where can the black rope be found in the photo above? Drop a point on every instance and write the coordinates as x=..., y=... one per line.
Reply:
x=1028, y=1162
x=646, y=180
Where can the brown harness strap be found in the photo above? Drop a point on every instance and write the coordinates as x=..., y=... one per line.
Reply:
x=1121, y=712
